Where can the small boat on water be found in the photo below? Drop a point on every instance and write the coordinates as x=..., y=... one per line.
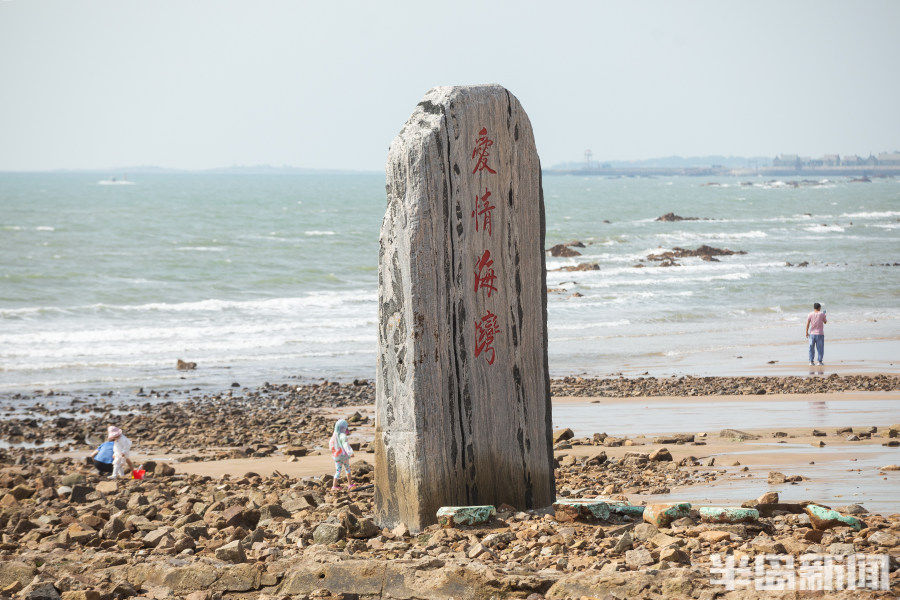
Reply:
x=115, y=181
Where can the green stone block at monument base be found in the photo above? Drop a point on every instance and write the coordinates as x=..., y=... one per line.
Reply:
x=450, y=516
x=728, y=514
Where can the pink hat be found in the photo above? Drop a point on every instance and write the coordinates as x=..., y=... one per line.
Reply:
x=112, y=432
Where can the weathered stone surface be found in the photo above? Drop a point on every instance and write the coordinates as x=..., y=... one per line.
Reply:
x=462, y=420
x=12, y=571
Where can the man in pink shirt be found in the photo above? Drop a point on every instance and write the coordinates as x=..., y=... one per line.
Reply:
x=815, y=333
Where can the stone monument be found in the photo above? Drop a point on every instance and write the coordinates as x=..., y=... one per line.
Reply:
x=463, y=391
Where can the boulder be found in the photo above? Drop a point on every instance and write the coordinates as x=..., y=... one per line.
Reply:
x=560, y=435
x=562, y=251
x=232, y=552
x=453, y=516
x=639, y=557
x=661, y=515
x=79, y=493
x=662, y=454
x=730, y=514
x=768, y=498
x=41, y=591
x=823, y=518
x=328, y=533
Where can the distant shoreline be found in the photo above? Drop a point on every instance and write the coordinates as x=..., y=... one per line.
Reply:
x=854, y=171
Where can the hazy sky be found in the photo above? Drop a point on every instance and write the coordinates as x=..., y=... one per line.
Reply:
x=327, y=84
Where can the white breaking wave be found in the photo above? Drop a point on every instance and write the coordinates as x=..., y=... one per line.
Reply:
x=873, y=214
x=44, y=228
x=685, y=236
x=273, y=305
x=318, y=232
x=821, y=228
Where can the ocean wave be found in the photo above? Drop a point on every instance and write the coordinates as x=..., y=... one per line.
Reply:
x=44, y=228
x=873, y=214
x=201, y=248
x=821, y=228
x=686, y=236
x=588, y=325
x=290, y=305
x=314, y=232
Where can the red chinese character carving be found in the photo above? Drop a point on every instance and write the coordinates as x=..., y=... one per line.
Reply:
x=487, y=278
x=483, y=209
x=485, y=329
x=481, y=151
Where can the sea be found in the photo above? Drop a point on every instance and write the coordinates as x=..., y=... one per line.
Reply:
x=104, y=285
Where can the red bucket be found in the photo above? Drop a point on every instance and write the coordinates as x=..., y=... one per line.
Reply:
x=138, y=473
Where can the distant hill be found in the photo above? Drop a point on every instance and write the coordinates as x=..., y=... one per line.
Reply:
x=673, y=162
x=235, y=170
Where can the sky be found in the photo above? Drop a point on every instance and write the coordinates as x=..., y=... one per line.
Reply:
x=203, y=84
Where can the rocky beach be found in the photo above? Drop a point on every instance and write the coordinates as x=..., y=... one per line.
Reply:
x=237, y=500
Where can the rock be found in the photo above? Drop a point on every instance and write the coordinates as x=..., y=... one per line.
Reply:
x=661, y=515
x=644, y=531
x=21, y=492
x=715, y=536
x=72, y=479
x=79, y=493
x=239, y=578
x=776, y=477
x=13, y=571
x=272, y=511
x=638, y=558
x=736, y=434
x=623, y=543
x=476, y=550
x=463, y=296
x=163, y=470
x=560, y=435
x=232, y=552
x=890, y=468
x=570, y=509
x=817, y=433
x=79, y=533
x=81, y=595
x=840, y=549
x=452, y=516
x=42, y=591
x=823, y=518
x=662, y=454
x=107, y=486
x=674, y=555
x=328, y=533
x=563, y=251
x=670, y=217
x=884, y=538
x=185, y=366
x=766, y=545
x=715, y=514
x=768, y=498
x=295, y=451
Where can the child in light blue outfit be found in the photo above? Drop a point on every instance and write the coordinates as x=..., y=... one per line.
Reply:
x=341, y=452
